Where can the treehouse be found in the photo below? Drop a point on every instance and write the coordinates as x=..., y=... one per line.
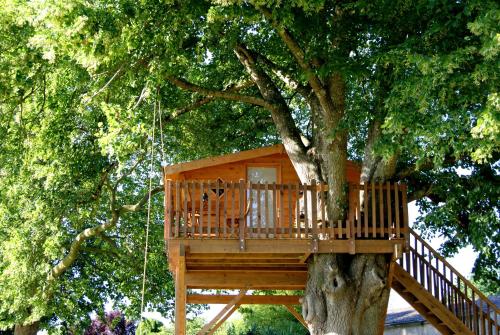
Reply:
x=244, y=221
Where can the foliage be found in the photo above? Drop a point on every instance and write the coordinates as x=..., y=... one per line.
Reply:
x=264, y=320
x=78, y=81
x=114, y=323
x=193, y=326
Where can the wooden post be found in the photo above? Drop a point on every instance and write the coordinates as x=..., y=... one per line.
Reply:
x=180, y=293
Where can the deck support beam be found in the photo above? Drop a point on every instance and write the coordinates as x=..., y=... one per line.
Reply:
x=180, y=293
x=297, y=315
x=246, y=300
x=225, y=313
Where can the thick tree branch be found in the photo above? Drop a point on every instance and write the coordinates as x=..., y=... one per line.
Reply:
x=76, y=245
x=140, y=204
x=282, y=117
x=284, y=76
x=420, y=193
x=203, y=101
x=88, y=233
x=316, y=85
x=227, y=95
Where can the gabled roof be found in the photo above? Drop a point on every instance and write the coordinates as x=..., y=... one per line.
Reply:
x=229, y=158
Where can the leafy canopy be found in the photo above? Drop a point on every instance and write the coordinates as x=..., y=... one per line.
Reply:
x=78, y=81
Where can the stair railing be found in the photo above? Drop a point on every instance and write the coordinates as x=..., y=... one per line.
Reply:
x=448, y=286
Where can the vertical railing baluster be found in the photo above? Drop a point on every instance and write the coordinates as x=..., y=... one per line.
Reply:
x=250, y=210
x=381, y=209
x=259, y=210
x=168, y=210
x=389, y=210
x=404, y=202
x=351, y=200
x=365, y=207
x=314, y=208
x=233, y=209
x=339, y=226
x=429, y=277
x=275, y=211
x=282, y=210
x=266, y=207
x=242, y=213
x=209, y=210
x=396, y=205
x=217, y=208
x=481, y=311
x=177, y=208
x=185, y=213
x=373, y=195
x=290, y=211
x=306, y=211
x=474, y=313
x=358, y=210
x=416, y=262
x=297, y=211
x=200, y=228
x=193, y=208
x=224, y=222
x=323, y=210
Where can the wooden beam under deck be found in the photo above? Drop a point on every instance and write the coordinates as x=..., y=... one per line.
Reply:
x=256, y=280
x=246, y=300
x=279, y=246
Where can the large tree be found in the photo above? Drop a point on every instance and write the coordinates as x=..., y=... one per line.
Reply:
x=409, y=89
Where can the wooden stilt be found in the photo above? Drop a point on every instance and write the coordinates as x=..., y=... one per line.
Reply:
x=297, y=315
x=228, y=309
x=180, y=293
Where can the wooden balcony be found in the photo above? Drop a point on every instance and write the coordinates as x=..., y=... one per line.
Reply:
x=228, y=211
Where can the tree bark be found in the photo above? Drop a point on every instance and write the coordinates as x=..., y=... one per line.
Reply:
x=345, y=294
x=29, y=329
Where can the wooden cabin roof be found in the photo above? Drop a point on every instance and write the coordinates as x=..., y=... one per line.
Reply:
x=224, y=159
x=175, y=169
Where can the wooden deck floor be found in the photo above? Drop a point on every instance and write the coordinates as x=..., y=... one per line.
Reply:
x=262, y=264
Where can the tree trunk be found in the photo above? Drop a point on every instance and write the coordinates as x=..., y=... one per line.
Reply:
x=346, y=294
x=30, y=329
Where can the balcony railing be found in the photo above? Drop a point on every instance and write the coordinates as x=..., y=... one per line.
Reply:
x=225, y=210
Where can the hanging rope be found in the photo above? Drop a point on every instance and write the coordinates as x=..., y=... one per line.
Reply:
x=163, y=161
x=149, y=211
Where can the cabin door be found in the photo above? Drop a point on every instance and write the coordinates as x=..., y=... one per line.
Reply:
x=263, y=202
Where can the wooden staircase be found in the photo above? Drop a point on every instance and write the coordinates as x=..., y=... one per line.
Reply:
x=441, y=294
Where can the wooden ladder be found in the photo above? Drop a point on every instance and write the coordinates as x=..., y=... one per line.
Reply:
x=441, y=294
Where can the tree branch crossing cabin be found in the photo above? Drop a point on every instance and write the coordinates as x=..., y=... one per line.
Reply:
x=244, y=221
